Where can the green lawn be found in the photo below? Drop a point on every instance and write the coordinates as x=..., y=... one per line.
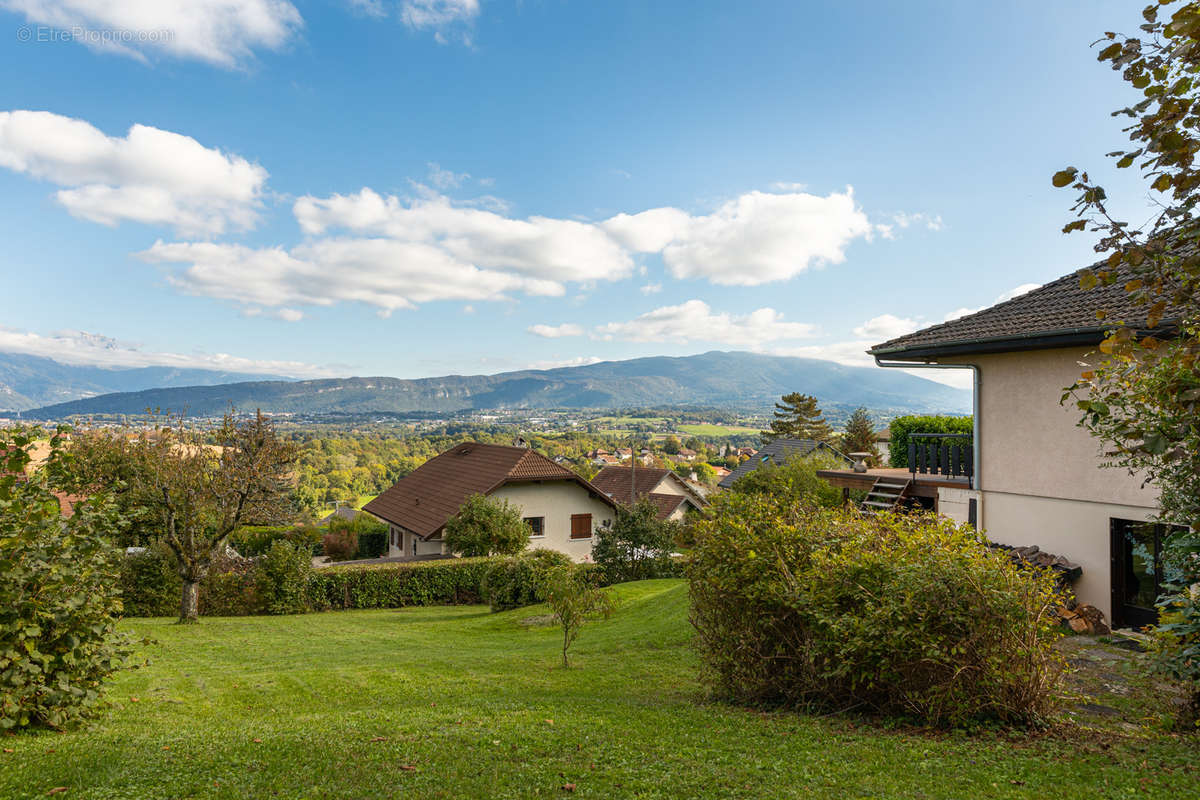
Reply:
x=457, y=702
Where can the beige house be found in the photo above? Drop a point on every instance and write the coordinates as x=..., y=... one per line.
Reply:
x=1031, y=475
x=562, y=509
x=669, y=493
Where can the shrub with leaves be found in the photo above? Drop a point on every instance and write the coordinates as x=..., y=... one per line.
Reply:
x=516, y=581
x=58, y=597
x=282, y=575
x=902, y=427
x=796, y=479
x=486, y=526
x=254, y=540
x=637, y=545
x=449, y=581
x=896, y=614
x=341, y=544
x=575, y=597
x=150, y=583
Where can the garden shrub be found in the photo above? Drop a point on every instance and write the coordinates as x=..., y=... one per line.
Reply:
x=516, y=581
x=372, y=544
x=637, y=545
x=149, y=582
x=900, y=615
x=901, y=427
x=58, y=597
x=795, y=479
x=282, y=576
x=486, y=526
x=443, y=581
x=254, y=540
x=231, y=589
x=341, y=544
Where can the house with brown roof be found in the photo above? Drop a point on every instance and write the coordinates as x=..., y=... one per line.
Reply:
x=1029, y=475
x=561, y=508
x=669, y=493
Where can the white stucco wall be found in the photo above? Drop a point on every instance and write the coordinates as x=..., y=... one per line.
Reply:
x=556, y=501
x=1040, y=475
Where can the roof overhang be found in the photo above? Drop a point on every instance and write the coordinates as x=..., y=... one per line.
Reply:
x=1046, y=340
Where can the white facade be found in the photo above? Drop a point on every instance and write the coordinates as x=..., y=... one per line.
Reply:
x=1040, y=479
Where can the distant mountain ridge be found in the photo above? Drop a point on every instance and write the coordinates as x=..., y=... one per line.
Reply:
x=31, y=381
x=715, y=379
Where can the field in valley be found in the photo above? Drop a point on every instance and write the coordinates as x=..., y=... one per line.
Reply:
x=457, y=702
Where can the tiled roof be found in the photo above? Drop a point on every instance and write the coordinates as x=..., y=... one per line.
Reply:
x=615, y=482
x=426, y=498
x=777, y=451
x=1058, y=314
x=666, y=503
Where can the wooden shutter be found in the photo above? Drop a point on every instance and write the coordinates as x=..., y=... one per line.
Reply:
x=581, y=526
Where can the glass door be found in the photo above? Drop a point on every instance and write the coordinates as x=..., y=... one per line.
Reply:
x=1136, y=572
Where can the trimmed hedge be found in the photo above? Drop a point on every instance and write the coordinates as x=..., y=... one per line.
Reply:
x=149, y=583
x=516, y=581
x=450, y=581
x=255, y=540
x=372, y=544
x=901, y=427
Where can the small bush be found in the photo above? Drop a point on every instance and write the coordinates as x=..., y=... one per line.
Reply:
x=150, y=583
x=485, y=526
x=341, y=545
x=516, y=581
x=796, y=480
x=282, y=577
x=637, y=546
x=254, y=540
x=372, y=544
x=231, y=589
x=900, y=615
x=444, y=581
x=574, y=597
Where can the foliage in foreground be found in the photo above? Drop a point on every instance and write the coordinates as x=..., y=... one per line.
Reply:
x=574, y=596
x=485, y=526
x=57, y=601
x=1142, y=398
x=898, y=615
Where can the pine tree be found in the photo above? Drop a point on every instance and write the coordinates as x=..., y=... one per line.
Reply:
x=860, y=435
x=798, y=417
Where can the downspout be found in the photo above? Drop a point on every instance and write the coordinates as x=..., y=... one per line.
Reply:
x=976, y=385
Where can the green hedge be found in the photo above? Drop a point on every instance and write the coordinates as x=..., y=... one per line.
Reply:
x=372, y=544
x=516, y=581
x=255, y=540
x=450, y=581
x=149, y=583
x=901, y=427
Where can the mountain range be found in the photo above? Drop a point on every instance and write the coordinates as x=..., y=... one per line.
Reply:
x=716, y=379
x=31, y=381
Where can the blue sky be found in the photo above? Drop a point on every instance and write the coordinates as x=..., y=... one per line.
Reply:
x=423, y=187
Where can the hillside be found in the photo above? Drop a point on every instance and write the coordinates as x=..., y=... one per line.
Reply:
x=716, y=379
x=31, y=381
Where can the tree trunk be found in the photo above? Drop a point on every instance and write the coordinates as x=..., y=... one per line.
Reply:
x=189, y=605
x=566, y=644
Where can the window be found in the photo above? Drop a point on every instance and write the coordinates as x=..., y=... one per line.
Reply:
x=1137, y=570
x=581, y=526
x=537, y=526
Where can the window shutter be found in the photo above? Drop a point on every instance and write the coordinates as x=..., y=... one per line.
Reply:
x=581, y=526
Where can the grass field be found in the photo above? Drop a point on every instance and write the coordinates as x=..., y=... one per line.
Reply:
x=461, y=703
x=719, y=430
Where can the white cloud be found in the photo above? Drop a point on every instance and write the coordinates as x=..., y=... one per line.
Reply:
x=445, y=179
x=222, y=32
x=150, y=176
x=886, y=326
x=695, y=321
x=932, y=222
x=370, y=8
x=440, y=16
x=649, y=231
x=1024, y=288
x=651, y=288
x=538, y=247
x=760, y=237
x=580, y=361
x=78, y=347
x=383, y=273
x=854, y=354
x=284, y=314
x=555, y=331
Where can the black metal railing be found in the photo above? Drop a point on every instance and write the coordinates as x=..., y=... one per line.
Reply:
x=949, y=454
